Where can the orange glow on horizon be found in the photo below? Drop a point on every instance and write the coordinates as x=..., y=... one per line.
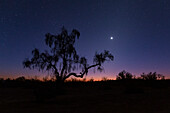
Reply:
x=40, y=77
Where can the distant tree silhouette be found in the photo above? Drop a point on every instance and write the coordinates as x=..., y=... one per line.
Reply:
x=123, y=75
x=21, y=79
x=62, y=59
x=104, y=79
x=91, y=79
x=152, y=76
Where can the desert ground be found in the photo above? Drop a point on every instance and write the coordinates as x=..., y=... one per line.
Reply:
x=87, y=97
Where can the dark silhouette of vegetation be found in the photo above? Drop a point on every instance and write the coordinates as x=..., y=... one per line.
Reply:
x=45, y=89
x=148, y=79
x=152, y=76
x=22, y=79
x=104, y=79
x=124, y=76
x=63, y=59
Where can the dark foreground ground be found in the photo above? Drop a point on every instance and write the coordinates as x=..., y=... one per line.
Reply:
x=91, y=97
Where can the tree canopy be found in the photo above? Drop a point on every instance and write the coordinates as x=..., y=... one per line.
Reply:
x=62, y=58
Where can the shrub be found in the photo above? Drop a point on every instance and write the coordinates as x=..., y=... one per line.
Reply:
x=124, y=76
x=152, y=76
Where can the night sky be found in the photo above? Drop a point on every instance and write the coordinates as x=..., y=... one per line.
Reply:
x=140, y=31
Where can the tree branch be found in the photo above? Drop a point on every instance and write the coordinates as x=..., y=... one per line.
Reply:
x=54, y=67
x=81, y=74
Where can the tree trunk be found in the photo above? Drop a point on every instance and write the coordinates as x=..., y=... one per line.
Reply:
x=60, y=90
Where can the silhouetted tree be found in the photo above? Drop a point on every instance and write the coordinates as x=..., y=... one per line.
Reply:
x=21, y=79
x=91, y=80
x=104, y=79
x=62, y=59
x=160, y=77
x=152, y=76
x=124, y=76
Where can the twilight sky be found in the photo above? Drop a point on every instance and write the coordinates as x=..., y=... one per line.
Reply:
x=140, y=31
